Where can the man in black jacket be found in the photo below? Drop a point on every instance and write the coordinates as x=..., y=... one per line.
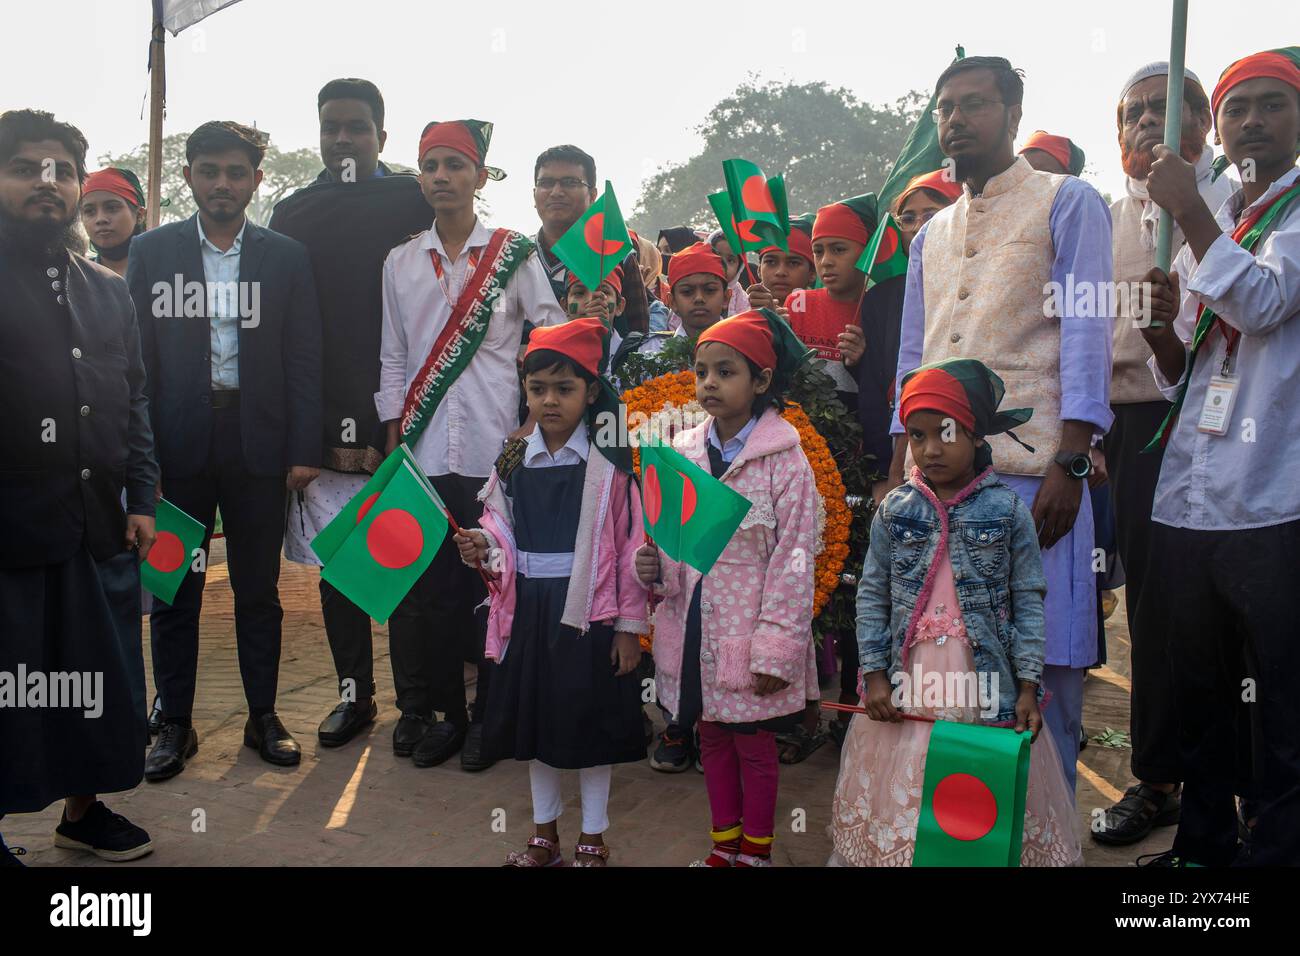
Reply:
x=349, y=218
x=231, y=336
x=75, y=433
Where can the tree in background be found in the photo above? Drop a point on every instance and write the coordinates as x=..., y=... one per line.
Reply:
x=825, y=141
x=283, y=173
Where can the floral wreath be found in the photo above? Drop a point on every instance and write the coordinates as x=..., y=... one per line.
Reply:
x=669, y=399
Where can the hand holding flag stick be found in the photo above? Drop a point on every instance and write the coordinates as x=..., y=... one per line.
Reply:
x=478, y=565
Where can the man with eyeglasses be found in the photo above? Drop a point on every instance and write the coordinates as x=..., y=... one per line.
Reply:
x=564, y=187
x=996, y=276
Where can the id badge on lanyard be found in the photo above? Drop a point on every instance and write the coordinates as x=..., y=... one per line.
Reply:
x=1220, y=395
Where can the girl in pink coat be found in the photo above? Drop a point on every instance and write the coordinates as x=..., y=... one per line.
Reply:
x=560, y=528
x=734, y=648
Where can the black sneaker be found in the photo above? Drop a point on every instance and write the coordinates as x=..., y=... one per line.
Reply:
x=108, y=835
x=673, y=755
x=9, y=854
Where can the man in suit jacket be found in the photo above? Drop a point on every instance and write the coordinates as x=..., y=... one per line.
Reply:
x=231, y=337
x=75, y=435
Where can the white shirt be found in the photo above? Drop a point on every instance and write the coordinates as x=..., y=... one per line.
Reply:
x=482, y=406
x=572, y=452
x=1246, y=478
x=221, y=281
x=735, y=444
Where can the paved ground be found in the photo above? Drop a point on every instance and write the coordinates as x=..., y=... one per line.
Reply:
x=362, y=805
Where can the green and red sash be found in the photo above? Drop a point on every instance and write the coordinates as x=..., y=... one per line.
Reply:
x=1246, y=235
x=465, y=330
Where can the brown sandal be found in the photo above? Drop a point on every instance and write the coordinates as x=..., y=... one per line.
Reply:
x=586, y=849
x=522, y=859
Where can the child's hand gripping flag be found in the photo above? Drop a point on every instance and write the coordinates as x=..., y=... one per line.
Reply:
x=690, y=514
x=597, y=242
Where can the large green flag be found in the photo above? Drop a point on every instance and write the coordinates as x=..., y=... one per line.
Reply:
x=921, y=152
x=180, y=537
x=973, y=798
x=397, y=531
x=740, y=236
x=884, y=257
x=690, y=514
x=597, y=242
x=758, y=204
x=332, y=536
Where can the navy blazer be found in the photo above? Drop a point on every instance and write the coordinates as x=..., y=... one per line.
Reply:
x=279, y=352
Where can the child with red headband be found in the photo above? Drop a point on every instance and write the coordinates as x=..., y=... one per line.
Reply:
x=698, y=295
x=734, y=648
x=561, y=523
x=113, y=213
x=782, y=271
x=950, y=626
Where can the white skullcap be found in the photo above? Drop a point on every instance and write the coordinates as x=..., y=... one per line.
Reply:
x=1158, y=68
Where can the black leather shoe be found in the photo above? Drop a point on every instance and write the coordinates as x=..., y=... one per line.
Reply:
x=175, y=745
x=410, y=730
x=440, y=741
x=471, y=755
x=155, y=717
x=1132, y=818
x=345, y=722
x=268, y=737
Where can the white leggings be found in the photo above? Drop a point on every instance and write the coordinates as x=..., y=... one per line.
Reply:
x=548, y=802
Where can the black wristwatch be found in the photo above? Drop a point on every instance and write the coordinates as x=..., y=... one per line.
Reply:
x=1077, y=465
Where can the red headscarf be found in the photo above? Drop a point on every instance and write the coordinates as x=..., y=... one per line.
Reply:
x=615, y=278
x=111, y=180
x=581, y=340
x=935, y=390
x=454, y=135
x=748, y=333
x=799, y=243
x=839, y=221
x=695, y=259
x=949, y=189
x=1058, y=147
x=1271, y=64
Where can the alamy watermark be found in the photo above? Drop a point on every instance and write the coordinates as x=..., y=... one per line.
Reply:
x=71, y=690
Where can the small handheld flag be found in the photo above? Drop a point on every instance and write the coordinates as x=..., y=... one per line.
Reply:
x=758, y=205
x=172, y=554
x=597, y=242
x=884, y=257
x=690, y=514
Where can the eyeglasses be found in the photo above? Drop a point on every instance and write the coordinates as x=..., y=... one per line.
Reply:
x=910, y=221
x=569, y=184
x=970, y=107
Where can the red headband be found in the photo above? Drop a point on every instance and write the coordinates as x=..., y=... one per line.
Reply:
x=615, y=279
x=840, y=222
x=111, y=181
x=799, y=243
x=581, y=340
x=693, y=260
x=748, y=333
x=937, y=391
x=936, y=181
x=1058, y=147
x=1253, y=67
x=454, y=135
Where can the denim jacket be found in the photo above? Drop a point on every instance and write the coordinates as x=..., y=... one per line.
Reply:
x=997, y=569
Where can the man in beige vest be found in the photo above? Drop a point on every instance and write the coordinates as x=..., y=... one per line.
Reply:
x=1139, y=409
x=1013, y=274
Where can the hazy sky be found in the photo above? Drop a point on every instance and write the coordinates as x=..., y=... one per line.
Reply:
x=627, y=82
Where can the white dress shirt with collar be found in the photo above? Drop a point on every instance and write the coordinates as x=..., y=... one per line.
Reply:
x=481, y=407
x=734, y=445
x=221, y=280
x=572, y=452
x=1246, y=478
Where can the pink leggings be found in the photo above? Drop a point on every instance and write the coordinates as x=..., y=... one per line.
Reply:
x=740, y=772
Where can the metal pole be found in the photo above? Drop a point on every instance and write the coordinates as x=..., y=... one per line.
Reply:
x=157, y=96
x=1173, y=122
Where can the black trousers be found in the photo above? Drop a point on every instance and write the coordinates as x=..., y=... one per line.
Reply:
x=252, y=517
x=436, y=629
x=1153, y=718
x=347, y=628
x=1228, y=598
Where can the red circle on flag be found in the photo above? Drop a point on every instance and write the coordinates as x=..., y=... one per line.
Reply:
x=756, y=196
x=888, y=246
x=964, y=806
x=653, y=494
x=594, y=234
x=746, y=231
x=688, y=498
x=395, y=538
x=365, y=506
x=167, y=553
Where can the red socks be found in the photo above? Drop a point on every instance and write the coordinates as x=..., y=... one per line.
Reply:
x=726, y=846
x=754, y=851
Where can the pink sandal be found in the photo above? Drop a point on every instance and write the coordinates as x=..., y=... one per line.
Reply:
x=586, y=849
x=522, y=859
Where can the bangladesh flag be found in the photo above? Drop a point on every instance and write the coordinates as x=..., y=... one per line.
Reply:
x=597, y=242
x=333, y=535
x=884, y=257
x=921, y=152
x=973, y=799
x=180, y=537
x=758, y=205
x=396, y=532
x=690, y=514
x=740, y=236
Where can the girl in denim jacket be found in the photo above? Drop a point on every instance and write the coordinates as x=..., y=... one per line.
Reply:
x=950, y=626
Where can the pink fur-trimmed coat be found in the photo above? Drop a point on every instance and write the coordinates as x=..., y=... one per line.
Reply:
x=756, y=603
